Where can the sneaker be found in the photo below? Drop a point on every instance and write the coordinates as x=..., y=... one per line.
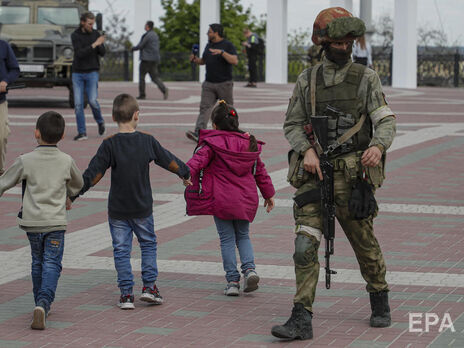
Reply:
x=232, y=289
x=126, y=302
x=141, y=97
x=80, y=136
x=192, y=136
x=38, y=318
x=101, y=128
x=166, y=94
x=151, y=295
x=251, y=84
x=251, y=281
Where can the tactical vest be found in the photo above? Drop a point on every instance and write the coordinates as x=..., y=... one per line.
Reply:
x=344, y=108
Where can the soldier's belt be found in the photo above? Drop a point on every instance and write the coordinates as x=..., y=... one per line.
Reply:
x=311, y=196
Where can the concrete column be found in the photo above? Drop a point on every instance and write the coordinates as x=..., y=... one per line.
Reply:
x=210, y=12
x=346, y=4
x=405, y=44
x=365, y=14
x=276, y=42
x=142, y=14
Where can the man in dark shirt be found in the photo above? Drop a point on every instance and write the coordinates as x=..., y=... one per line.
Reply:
x=88, y=47
x=149, y=60
x=9, y=72
x=219, y=56
x=252, y=49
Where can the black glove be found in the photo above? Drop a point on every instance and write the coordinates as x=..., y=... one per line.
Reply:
x=362, y=203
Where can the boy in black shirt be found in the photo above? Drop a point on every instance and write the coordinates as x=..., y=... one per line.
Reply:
x=130, y=202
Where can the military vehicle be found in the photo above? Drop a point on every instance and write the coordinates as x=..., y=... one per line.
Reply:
x=40, y=34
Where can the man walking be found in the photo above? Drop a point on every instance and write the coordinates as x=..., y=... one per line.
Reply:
x=9, y=72
x=88, y=48
x=350, y=95
x=252, y=50
x=149, y=60
x=219, y=56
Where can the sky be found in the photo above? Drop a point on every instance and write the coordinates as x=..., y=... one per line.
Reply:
x=434, y=14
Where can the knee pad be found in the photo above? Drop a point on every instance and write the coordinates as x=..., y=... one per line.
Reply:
x=305, y=250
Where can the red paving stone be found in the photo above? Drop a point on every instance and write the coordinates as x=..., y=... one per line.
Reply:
x=85, y=313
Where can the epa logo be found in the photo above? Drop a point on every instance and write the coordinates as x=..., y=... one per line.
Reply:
x=417, y=324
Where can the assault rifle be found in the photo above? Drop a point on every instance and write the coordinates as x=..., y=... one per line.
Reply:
x=320, y=127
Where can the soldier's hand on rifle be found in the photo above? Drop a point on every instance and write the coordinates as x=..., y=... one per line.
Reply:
x=371, y=157
x=311, y=163
x=3, y=85
x=269, y=204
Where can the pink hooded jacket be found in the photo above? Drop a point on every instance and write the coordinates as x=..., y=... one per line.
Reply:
x=229, y=177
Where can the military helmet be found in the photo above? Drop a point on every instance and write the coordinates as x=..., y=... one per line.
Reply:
x=336, y=24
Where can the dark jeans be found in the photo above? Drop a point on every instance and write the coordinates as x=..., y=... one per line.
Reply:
x=151, y=68
x=47, y=253
x=252, y=68
x=210, y=93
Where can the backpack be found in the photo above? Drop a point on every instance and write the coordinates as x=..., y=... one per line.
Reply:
x=261, y=46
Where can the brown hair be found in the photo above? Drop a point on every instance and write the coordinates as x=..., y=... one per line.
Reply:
x=225, y=117
x=124, y=107
x=87, y=15
x=51, y=127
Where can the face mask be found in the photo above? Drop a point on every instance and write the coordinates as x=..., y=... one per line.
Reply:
x=339, y=57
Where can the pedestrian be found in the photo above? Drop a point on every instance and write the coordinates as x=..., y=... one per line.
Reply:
x=130, y=203
x=226, y=168
x=355, y=92
x=362, y=51
x=149, y=60
x=219, y=56
x=252, y=50
x=9, y=72
x=48, y=176
x=88, y=46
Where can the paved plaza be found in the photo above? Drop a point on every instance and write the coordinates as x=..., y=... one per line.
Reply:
x=420, y=229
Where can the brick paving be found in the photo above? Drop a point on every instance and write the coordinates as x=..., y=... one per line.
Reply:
x=420, y=228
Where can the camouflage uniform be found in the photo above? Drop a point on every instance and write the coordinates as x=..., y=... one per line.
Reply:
x=366, y=98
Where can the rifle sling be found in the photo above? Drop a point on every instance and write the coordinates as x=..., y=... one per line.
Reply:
x=347, y=135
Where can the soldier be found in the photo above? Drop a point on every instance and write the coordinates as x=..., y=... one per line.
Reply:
x=345, y=92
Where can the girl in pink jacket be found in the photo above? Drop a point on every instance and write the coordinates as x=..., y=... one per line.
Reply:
x=225, y=170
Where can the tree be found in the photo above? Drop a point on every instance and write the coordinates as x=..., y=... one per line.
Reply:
x=298, y=41
x=116, y=30
x=179, y=28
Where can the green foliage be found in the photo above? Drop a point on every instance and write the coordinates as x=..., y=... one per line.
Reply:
x=298, y=41
x=179, y=28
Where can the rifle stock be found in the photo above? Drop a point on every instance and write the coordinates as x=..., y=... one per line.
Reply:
x=320, y=127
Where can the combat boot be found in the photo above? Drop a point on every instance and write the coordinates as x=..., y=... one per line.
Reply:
x=297, y=327
x=380, y=309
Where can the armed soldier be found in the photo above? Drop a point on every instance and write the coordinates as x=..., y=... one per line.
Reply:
x=360, y=127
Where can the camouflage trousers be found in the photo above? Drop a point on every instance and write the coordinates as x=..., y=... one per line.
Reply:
x=4, y=132
x=360, y=234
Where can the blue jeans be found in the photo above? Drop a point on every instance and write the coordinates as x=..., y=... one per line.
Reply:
x=47, y=253
x=121, y=233
x=232, y=233
x=89, y=83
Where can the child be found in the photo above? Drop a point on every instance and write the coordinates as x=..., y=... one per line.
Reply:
x=48, y=176
x=130, y=202
x=227, y=159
